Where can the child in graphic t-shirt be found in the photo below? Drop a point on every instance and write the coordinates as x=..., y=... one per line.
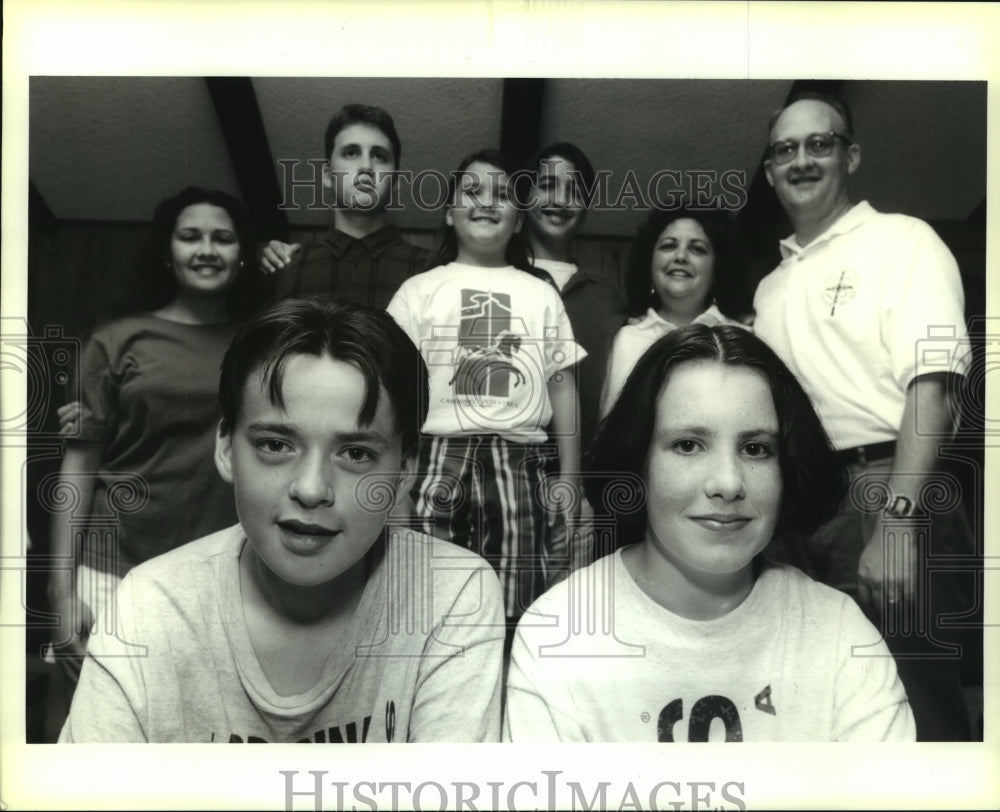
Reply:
x=500, y=352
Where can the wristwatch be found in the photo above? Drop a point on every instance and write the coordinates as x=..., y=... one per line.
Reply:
x=898, y=506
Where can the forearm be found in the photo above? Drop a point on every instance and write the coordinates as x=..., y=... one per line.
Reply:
x=76, y=479
x=76, y=490
x=926, y=420
x=888, y=570
x=566, y=421
x=566, y=547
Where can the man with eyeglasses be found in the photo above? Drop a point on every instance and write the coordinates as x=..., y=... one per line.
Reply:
x=848, y=310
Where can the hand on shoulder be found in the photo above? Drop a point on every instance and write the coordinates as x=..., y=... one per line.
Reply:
x=277, y=255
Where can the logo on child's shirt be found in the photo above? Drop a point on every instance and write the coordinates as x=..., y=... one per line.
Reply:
x=487, y=345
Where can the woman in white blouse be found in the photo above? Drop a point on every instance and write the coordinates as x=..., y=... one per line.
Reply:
x=677, y=261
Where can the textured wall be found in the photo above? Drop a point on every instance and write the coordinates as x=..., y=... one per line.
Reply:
x=923, y=146
x=645, y=126
x=109, y=148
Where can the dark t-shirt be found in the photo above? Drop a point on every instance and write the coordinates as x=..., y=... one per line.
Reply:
x=596, y=309
x=150, y=396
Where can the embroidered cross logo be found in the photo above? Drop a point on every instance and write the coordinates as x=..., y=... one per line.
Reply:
x=840, y=291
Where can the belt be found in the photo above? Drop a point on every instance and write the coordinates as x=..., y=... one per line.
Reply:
x=866, y=453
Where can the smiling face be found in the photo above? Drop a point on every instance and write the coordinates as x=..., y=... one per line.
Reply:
x=557, y=205
x=483, y=215
x=359, y=168
x=298, y=472
x=808, y=187
x=205, y=250
x=712, y=475
x=682, y=268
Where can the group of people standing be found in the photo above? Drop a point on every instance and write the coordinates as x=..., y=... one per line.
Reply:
x=507, y=399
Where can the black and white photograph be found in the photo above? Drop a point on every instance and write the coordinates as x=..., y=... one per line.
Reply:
x=516, y=375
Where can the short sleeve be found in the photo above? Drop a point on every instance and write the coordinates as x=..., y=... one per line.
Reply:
x=535, y=686
x=99, y=390
x=629, y=345
x=401, y=308
x=110, y=700
x=925, y=330
x=869, y=699
x=459, y=692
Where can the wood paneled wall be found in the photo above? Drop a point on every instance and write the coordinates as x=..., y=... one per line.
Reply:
x=75, y=268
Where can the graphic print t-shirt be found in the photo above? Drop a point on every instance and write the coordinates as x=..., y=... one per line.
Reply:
x=796, y=661
x=492, y=338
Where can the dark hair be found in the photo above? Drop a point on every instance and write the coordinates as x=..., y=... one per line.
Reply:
x=638, y=287
x=445, y=247
x=837, y=103
x=573, y=154
x=152, y=283
x=813, y=481
x=362, y=114
x=364, y=336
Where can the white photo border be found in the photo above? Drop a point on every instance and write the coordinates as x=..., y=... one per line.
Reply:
x=498, y=39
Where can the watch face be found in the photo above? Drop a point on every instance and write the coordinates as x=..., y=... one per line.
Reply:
x=899, y=506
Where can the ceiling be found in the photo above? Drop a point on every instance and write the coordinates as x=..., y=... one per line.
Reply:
x=109, y=148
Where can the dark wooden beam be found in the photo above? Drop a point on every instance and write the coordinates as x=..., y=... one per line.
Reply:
x=243, y=130
x=40, y=216
x=977, y=217
x=521, y=118
x=971, y=256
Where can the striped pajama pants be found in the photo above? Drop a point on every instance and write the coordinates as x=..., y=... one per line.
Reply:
x=490, y=495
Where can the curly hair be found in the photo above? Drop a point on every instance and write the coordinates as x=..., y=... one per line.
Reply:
x=721, y=235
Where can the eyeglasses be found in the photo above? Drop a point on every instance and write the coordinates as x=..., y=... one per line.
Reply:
x=818, y=145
